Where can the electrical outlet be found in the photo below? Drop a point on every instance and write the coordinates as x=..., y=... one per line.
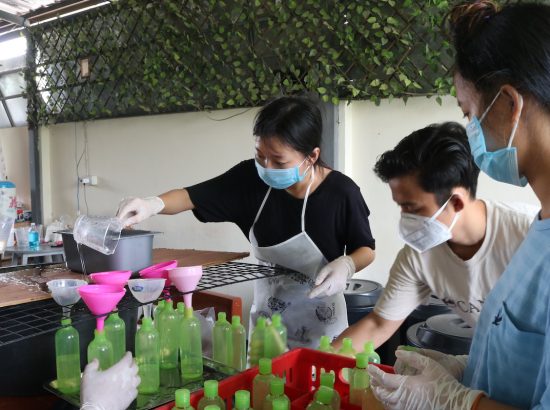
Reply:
x=89, y=180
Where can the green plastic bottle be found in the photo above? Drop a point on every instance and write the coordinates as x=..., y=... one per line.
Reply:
x=67, y=358
x=322, y=400
x=190, y=346
x=325, y=346
x=369, y=350
x=242, y=400
x=115, y=330
x=169, y=336
x=359, y=379
x=327, y=380
x=280, y=404
x=222, y=341
x=211, y=396
x=183, y=400
x=261, y=384
x=212, y=407
x=257, y=342
x=276, y=391
x=101, y=349
x=159, y=308
x=347, y=348
x=239, y=343
x=180, y=310
x=148, y=357
x=275, y=337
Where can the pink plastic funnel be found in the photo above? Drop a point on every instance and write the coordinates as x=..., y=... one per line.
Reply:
x=117, y=278
x=101, y=300
x=186, y=280
x=159, y=270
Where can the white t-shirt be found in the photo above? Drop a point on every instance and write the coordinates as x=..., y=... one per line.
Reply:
x=461, y=285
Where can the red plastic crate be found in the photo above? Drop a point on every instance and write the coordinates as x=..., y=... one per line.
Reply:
x=300, y=368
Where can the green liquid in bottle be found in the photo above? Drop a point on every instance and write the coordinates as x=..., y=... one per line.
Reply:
x=101, y=349
x=257, y=340
x=115, y=330
x=261, y=384
x=222, y=345
x=67, y=358
x=148, y=357
x=190, y=346
x=169, y=336
x=359, y=380
x=239, y=343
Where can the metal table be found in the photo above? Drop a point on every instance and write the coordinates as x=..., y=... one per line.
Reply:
x=20, y=254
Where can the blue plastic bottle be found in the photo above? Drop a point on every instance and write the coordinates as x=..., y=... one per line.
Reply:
x=34, y=237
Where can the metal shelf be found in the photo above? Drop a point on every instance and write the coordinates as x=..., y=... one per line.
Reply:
x=28, y=320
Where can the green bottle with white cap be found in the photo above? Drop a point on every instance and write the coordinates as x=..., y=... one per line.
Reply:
x=222, y=345
x=262, y=383
x=67, y=358
x=322, y=400
x=276, y=391
x=239, y=343
x=211, y=396
x=242, y=400
x=168, y=327
x=257, y=340
x=183, y=400
x=325, y=346
x=115, y=330
x=101, y=349
x=347, y=348
x=327, y=380
x=359, y=379
x=275, y=337
x=371, y=353
x=148, y=357
x=190, y=346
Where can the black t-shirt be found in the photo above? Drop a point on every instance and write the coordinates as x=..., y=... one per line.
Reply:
x=336, y=214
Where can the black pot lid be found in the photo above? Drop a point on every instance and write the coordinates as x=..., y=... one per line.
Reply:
x=361, y=292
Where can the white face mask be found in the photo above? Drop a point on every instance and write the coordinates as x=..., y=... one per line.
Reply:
x=422, y=233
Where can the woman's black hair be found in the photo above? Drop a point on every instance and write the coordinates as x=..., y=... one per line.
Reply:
x=439, y=155
x=509, y=45
x=295, y=121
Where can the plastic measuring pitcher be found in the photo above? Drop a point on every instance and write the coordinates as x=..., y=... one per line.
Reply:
x=98, y=232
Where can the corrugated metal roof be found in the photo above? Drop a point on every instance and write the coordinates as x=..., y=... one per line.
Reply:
x=23, y=7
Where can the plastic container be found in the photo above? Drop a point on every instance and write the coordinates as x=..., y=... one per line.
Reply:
x=210, y=396
x=359, y=379
x=169, y=336
x=67, y=358
x=261, y=384
x=325, y=346
x=134, y=252
x=242, y=400
x=156, y=312
x=101, y=349
x=369, y=350
x=347, y=348
x=148, y=357
x=327, y=380
x=297, y=367
x=322, y=400
x=280, y=404
x=98, y=232
x=275, y=337
x=115, y=330
x=34, y=237
x=276, y=391
x=257, y=342
x=239, y=343
x=222, y=349
x=190, y=346
x=183, y=400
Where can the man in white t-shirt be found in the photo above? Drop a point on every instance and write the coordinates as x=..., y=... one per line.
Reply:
x=457, y=246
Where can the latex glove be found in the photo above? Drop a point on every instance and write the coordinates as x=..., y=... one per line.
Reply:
x=111, y=389
x=332, y=278
x=134, y=210
x=432, y=388
x=455, y=365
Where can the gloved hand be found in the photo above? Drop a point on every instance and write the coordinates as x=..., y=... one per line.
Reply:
x=432, y=388
x=332, y=278
x=112, y=389
x=134, y=210
x=455, y=365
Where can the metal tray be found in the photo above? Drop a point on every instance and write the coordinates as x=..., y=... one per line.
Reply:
x=170, y=381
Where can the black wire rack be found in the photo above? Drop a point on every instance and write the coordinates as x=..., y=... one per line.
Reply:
x=28, y=320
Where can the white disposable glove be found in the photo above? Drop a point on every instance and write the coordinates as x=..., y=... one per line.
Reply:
x=134, y=210
x=455, y=365
x=111, y=389
x=432, y=388
x=332, y=278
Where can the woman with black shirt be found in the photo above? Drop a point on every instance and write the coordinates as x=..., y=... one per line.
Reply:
x=296, y=213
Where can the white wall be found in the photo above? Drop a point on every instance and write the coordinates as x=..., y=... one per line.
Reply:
x=15, y=145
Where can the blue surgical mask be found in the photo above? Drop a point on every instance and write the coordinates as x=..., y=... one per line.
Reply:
x=502, y=164
x=281, y=178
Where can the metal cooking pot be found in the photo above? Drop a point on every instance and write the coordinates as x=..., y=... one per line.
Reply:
x=362, y=293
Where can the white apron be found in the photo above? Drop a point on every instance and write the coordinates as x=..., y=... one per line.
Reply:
x=306, y=319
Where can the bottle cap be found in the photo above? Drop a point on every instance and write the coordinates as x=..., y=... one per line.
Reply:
x=242, y=400
x=183, y=398
x=188, y=312
x=211, y=388
x=147, y=323
x=276, y=319
x=235, y=321
x=279, y=404
x=66, y=322
x=222, y=317
x=324, y=343
x=260, y=322
x=347, y=343
x=212, y=407
x=324, y=394
x=362, y=361
x=265, y=365
x=327, y=379
x=181, y=307
x=277, y=387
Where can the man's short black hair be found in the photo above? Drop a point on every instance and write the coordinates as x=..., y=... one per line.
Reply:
x=439, y=155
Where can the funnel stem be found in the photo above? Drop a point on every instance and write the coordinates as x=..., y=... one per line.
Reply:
x=188, y=299
x=147, y=310
x=66, y=311
x=100, y=323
